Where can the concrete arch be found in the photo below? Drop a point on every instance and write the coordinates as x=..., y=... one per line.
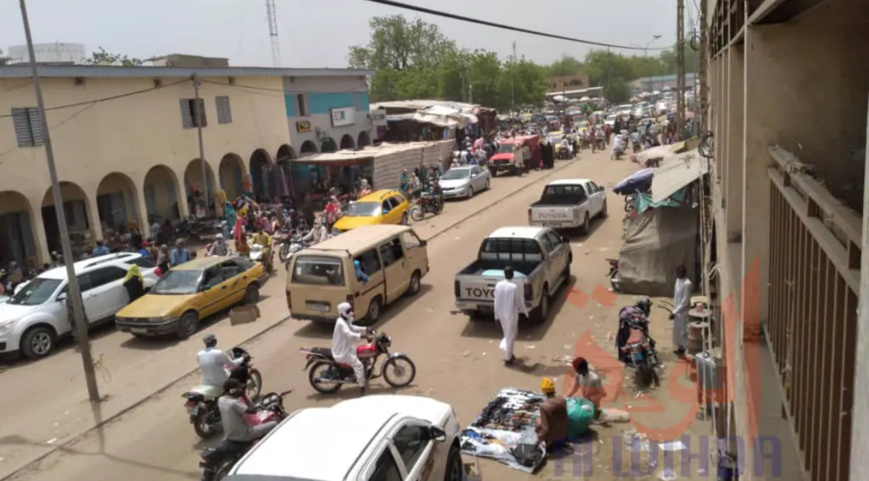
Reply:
x=285, y=153
x=347, y=142
x=17, y=230
x=198, y=203
x=260, y=162
x=117, y=203
x=80, y=215
x=328, y=145
x=162, y=194
x=364, y=139
x=309, y=147
x=231, y=172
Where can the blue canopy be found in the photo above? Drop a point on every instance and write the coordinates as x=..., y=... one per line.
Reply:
x=640, y=180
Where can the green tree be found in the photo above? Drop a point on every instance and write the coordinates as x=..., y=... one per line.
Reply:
x=524, y=80
x=102, y=57
x=566, y=65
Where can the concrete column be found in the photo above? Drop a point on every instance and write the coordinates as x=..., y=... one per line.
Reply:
x=735, y=139
x=723, y=134
x=93, y=213
x=860, y=414
x=142, y=211
x=37, y=230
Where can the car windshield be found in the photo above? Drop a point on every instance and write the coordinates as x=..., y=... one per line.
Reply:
x=178, y=282
x=362, y=209
x=35, y=292
x=505, y=149
x=454, y=174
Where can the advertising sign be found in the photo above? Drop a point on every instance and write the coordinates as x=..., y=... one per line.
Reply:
x=378, y=117
x=343, y=117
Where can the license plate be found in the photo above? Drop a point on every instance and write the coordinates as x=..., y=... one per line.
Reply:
x=318, y=307
x=193, y=411
x=139, y=331
x=552, y=224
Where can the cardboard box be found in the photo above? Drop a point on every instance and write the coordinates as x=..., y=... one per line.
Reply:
x=244, y=314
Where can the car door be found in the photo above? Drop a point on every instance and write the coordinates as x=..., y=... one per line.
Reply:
x=415, y=252
x=594, y=203
x=91, y=309
x=364, y=292
x=209, y=299
x=226, y=293
x=560, y=255
x=394, y=268
x=107, y=294
x=387, y=212
x=394, y=211
x=413, y=444
x=386, y=468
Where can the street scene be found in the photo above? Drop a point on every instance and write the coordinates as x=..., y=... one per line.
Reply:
x=545, y=252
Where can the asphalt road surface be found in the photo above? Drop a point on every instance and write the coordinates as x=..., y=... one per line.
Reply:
x=47, y=426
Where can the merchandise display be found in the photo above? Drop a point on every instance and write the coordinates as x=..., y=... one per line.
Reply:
x=504, y=430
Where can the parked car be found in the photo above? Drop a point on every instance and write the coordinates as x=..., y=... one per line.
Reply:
x=190, y=292
x=465, y=181
x=568, y=204
x=513, y=155
x=33, y=319
x=540, y=259
x=378, y=207
x=372, y=438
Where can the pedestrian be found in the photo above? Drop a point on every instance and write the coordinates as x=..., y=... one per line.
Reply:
x=136, y=238
x=551, y=425
x=681, y=303
x=179, y=254
x=134, y=283
x=163, y=259
x=100, y=249
x=588, y=383
x=509, y=302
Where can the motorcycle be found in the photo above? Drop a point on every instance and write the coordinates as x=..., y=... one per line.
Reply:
x=201, y=401
x=618, y=151
x=614, y=274
x=217, y=462
x=258, y=254
x=634, y=345
x=327, y=376
x=425, y=204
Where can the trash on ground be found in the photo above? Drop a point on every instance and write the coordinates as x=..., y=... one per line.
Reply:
x=673, y=446
x=667, y=475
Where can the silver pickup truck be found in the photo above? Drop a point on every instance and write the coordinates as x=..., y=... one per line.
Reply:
x=568, y=204
x=541, y=262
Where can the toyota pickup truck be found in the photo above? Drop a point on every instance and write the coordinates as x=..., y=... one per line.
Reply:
x=540, y=259
x=568, y=204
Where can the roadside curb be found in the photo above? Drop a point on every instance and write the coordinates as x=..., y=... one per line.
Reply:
x=33, y=464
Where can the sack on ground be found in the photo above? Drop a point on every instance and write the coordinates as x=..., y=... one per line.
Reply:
x=580, y=414
x=244, y=314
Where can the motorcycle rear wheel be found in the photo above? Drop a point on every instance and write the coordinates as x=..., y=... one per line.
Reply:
x=314, y=376
x=283, y=254
x=201, y=425
x=224, y=469
x=254, y=385
x=644, y=375
x=416, y=213
x=393, y=363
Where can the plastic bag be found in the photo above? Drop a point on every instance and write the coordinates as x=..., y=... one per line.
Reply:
x=580, y=414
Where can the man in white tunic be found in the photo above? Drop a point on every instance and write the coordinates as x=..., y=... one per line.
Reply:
x=344, y=337
x=681, y=305
x=509, y=302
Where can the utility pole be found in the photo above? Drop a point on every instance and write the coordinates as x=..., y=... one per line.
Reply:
x=197, y=113
x=513, y=82
x=74, y=292
x=703, y=64
x=680, y=65
x=271, y=13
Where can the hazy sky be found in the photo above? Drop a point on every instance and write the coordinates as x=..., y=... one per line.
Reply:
x=317, y=33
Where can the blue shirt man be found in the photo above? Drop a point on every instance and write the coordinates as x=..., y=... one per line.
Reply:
x=100, y=249
x=179, y=255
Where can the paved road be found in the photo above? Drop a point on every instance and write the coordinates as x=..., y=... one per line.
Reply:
x=458, y=361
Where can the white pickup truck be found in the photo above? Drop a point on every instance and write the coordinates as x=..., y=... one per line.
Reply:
x=540, y=259
x=568, y=204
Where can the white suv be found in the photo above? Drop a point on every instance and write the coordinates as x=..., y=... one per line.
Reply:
x=373, y=438
x=35, y=317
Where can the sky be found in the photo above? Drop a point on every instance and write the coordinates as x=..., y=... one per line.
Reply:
x=318, y=33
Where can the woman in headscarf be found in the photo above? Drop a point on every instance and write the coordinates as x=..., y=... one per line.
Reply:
x=332, y=211
x=229, y=213
x=134, y=283
x=366, y=189
x=405, y=182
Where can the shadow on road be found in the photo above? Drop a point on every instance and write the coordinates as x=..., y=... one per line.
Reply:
x=351, y=391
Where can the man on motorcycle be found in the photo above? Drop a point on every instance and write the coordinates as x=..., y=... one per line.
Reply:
x=343, y=338
x=318, y=233
x=233, y=406
x=265, y=241
x=218, y=247
x=213, y=363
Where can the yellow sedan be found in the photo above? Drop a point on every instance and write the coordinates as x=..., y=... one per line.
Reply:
x=191, y=292
x=379, y=207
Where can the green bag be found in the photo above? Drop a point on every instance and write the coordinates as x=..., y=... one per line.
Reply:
x=580, y=414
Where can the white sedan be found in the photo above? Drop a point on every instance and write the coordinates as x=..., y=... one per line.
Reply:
x=373, y=438
x=464, y=181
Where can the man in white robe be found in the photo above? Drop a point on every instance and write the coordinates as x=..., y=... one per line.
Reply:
x=681, y=305
x=509, y=302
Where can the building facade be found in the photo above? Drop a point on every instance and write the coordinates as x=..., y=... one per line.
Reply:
x=790, y=231
x=661, y=82
x=126, y=147
x=54, y=53
x=567, y=82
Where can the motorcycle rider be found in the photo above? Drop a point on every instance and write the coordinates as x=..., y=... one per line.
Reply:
x=318, y=233
x=213, y=363
x=218, y=247
x=233, y=406
x=343, y=337
x=263, y=239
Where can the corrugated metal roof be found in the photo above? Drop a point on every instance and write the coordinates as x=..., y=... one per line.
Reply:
x=676, y=172
x=368, y=152
x=104, y=71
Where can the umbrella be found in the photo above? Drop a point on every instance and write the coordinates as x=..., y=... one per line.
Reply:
x=640, y=180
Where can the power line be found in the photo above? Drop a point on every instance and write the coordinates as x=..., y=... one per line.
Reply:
x=487, y=23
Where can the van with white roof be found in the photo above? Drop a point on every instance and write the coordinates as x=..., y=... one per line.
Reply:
x=33, y=319
x=373, y=438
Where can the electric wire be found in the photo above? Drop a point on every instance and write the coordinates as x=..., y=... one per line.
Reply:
x=487, y=23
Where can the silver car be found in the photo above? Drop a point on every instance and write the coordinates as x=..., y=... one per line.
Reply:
x=464, y=181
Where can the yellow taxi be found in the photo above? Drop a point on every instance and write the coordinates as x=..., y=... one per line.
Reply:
x=378, y=207
x=191, y=292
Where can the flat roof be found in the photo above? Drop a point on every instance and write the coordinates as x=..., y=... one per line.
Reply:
x=60, y=272
x=569, y=181
x=110, y=71
x=357, y=239
x=369, y=152
x=523, y=232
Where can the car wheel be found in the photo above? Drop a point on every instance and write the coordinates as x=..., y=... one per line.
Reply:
x=38, y=342
x=470, y=192
x=603, y=210
x=586, y=225
x=415, y=284
x=251, y=295
x=455, y=469
x=373, y=313
x=539, y=315
x=187, y=325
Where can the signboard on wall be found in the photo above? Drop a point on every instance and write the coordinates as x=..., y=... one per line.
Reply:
x=378, y=117
x=343, y=117
x=303, y=126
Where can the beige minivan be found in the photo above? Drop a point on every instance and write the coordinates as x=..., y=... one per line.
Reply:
x=393, y=258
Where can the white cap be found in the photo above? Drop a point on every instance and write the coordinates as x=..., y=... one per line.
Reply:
x=345, y=308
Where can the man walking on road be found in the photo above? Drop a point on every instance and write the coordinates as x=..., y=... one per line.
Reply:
x=681, y=303
x=509, y=302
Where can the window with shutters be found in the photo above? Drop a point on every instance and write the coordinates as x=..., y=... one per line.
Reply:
x=28, y=127
x=224, y=112
x=188, y=107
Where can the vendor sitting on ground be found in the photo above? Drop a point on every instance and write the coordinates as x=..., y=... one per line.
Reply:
x=551, y=425
x=589, y=383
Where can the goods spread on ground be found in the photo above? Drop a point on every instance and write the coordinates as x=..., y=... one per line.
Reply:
x=504, y=430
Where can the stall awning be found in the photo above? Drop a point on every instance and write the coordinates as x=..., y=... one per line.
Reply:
x=676, y=172
x=337, y=159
